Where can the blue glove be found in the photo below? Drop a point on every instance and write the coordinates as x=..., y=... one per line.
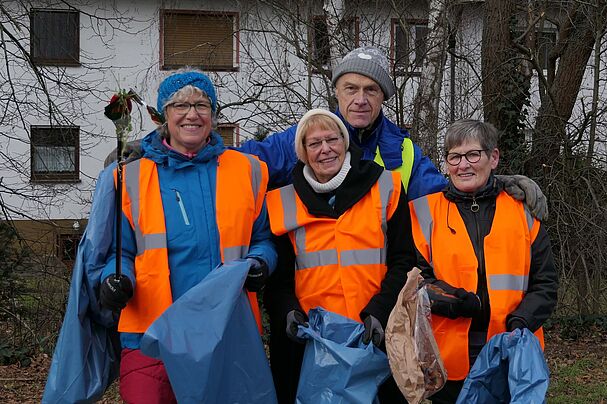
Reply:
x=258, y=274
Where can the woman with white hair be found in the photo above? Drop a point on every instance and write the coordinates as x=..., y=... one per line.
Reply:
x=345, y=244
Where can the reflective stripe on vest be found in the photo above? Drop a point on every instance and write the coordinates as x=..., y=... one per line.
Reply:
x=236, y=210
x=408, y=155
x=329, y=257
x=507, y=253
x=335, y=267
x=144, y=241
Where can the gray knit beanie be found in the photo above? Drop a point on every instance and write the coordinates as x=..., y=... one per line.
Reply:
x=368, y=61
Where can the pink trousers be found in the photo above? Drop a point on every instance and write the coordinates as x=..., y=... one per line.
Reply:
x=144, y=379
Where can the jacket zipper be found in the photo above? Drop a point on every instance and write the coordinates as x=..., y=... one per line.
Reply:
x=484, y=297
x=183, y=212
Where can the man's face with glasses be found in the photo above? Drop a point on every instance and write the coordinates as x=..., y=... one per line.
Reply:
x=189, y=122
x=469, y=166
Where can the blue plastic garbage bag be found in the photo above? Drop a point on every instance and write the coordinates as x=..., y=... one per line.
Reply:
x=337, y=366
x=210, y=344
x=510, y=369
x=87, y=354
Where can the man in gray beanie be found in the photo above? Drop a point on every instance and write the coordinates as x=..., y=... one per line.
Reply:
x=362, y=83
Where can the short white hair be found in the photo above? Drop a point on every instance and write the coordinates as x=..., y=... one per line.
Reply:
x=318, y=118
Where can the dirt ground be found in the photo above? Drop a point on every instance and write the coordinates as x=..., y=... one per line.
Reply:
x=25, y=385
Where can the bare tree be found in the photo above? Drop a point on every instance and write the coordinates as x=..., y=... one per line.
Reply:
x=561, y=152
x=566, y=68
x=426, y=104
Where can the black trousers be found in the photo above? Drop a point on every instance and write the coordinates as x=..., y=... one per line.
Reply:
x=448, y=394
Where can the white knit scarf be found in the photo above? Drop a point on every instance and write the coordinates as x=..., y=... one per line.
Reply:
x=333, y=183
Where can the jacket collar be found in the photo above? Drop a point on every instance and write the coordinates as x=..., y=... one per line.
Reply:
x=384, y=134
x=362, y=176
x=491, y=189
x=159, y=153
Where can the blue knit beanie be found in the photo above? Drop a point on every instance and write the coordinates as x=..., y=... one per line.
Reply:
x=177, y=81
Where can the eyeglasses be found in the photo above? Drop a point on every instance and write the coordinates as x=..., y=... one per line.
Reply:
x=473, y=156
x=183, y=108
x=317, y=144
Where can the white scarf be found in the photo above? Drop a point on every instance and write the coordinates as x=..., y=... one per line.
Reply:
x=333, y=183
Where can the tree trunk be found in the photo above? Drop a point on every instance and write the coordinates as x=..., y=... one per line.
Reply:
x=334, y=11
x=506, y=81
x=425, y=111
x=558, y=102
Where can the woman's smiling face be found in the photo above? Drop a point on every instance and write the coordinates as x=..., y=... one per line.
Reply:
x=189, y=132
x=326, y=152
x=471, y=177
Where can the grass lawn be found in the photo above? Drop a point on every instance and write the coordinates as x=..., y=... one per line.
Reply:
x=578, y=369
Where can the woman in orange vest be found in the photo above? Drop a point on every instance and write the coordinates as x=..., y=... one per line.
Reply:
x=489, y=262
x=345, y=244
x=188, y=205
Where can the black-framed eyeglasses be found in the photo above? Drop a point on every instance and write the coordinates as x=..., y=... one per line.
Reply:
x=331, y=141
x=183, y=108
x=473, y=156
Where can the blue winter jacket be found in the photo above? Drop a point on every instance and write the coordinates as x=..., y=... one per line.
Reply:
x=187, y=188
x=278, y=152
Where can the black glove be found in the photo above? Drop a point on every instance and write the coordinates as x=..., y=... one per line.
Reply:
x=258, y=274
x=469, y=304
x=114, y=292
x=515, y=323
x=373, y=331
x=295, y=318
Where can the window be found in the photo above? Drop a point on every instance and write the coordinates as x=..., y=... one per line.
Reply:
x=202, y=39
x=320, y=47
x=409, y=45
x=55, y=37
x=545, y=43
x=67, y=247
x=55, y=154
x=545, y=39
x=229, y=134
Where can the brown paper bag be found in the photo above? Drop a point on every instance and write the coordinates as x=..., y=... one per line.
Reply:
x=413, y=354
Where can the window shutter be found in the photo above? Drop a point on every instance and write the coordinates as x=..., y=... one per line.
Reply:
x=198, y=39
x=227, y=134
x=55, y=37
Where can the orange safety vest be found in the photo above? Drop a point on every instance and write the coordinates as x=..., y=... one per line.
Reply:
x=339, y=263
x=507, y=250
x=241, y=185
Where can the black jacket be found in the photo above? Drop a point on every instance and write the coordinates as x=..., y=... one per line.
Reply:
x=541, y=297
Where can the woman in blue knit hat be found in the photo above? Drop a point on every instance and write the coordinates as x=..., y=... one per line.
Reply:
x=188, y=205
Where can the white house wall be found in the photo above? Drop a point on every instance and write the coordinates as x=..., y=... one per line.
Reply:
x=119, y=43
